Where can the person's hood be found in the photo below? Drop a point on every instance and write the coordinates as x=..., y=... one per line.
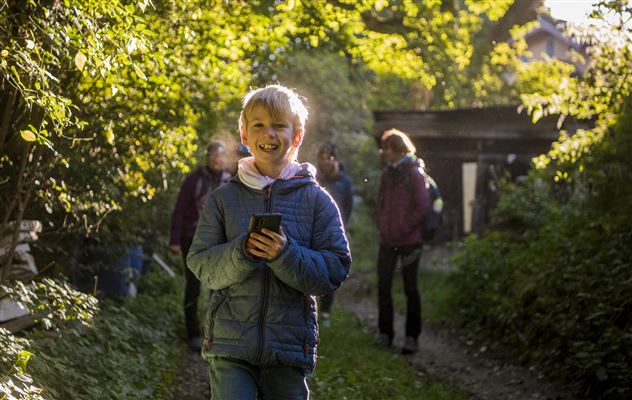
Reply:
x=249, y=175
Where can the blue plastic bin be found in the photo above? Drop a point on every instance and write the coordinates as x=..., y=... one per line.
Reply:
x=135, y=254
x=115, y=281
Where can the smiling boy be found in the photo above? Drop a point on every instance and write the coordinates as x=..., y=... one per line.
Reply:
x=261, y=332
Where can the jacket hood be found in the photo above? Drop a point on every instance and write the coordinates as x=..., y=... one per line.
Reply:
x=305, y=175
x=404, y=163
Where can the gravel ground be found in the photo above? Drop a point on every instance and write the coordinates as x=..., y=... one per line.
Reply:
x=483, y=370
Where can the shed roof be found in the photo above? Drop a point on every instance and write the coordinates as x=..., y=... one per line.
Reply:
x=489, y=122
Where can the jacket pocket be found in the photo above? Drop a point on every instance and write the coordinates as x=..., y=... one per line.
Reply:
x=216, y=300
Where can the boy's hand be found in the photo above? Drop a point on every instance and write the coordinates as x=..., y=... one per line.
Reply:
x=267, y=244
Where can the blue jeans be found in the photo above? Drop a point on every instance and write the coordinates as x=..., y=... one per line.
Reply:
x=233, y=379
x=326, y=301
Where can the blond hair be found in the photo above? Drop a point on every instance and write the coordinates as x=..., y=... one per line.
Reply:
x=280, y=102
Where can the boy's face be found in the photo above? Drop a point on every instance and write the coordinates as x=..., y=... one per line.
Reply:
x=270, y=139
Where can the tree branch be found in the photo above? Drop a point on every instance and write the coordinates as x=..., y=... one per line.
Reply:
x=7, y=111
x=519, y=13
x=6, y=269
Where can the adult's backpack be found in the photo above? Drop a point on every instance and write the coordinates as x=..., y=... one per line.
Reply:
x=433, y=220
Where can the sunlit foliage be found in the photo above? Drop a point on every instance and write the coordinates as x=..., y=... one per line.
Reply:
x=56, y=305
x=552, y=277
x=106, y=102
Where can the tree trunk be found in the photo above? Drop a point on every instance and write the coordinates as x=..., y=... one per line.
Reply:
x=7, y=111
x=19, y=200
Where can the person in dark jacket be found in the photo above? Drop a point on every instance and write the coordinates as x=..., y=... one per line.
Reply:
x=332, y=177
x=403, y=202
x=261, y=329
x=191, y=198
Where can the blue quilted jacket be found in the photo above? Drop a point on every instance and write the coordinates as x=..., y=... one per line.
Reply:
x=265, y=312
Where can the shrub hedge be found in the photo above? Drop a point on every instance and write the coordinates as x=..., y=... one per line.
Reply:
x=554, y=277
x=127, y=352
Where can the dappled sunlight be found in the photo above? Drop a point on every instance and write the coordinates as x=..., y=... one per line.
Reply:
x=523, y=122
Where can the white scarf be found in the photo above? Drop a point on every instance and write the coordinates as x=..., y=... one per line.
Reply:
x=251, y=177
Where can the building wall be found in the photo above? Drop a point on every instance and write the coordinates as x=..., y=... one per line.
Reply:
x=549, y=40
x=541, y=45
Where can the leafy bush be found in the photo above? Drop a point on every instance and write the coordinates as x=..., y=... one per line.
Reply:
x=127, y=352
x=554, y=279
x=53, y=302
x=14, y=380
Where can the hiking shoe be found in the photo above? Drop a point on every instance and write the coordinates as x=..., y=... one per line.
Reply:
x=384, y=340
x=410, y=345
x=195, y=344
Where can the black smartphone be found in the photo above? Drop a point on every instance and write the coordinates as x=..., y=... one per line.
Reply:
x=270, y=221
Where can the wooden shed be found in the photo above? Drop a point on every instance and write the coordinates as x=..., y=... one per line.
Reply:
x=466, y=149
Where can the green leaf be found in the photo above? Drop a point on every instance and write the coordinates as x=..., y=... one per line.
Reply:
x=140, y=73
x=537, y=114
x=80, y=60
x=28, y=135
x=23, y=359
x=601, y=374
x=109, y=136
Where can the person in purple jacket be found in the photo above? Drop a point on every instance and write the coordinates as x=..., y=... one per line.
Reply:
x=192, y=197
x=403, y=203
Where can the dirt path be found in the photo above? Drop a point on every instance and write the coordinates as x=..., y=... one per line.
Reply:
x=482, y=370
x=192, y=383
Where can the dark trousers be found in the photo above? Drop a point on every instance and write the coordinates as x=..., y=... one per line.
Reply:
x=191, y=293
x=326, y=301
x=387, y=260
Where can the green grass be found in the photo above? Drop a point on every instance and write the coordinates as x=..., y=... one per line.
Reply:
x=436, y=295
x=351, y=366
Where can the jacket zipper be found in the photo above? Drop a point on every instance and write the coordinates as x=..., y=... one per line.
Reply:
x=266, y=290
